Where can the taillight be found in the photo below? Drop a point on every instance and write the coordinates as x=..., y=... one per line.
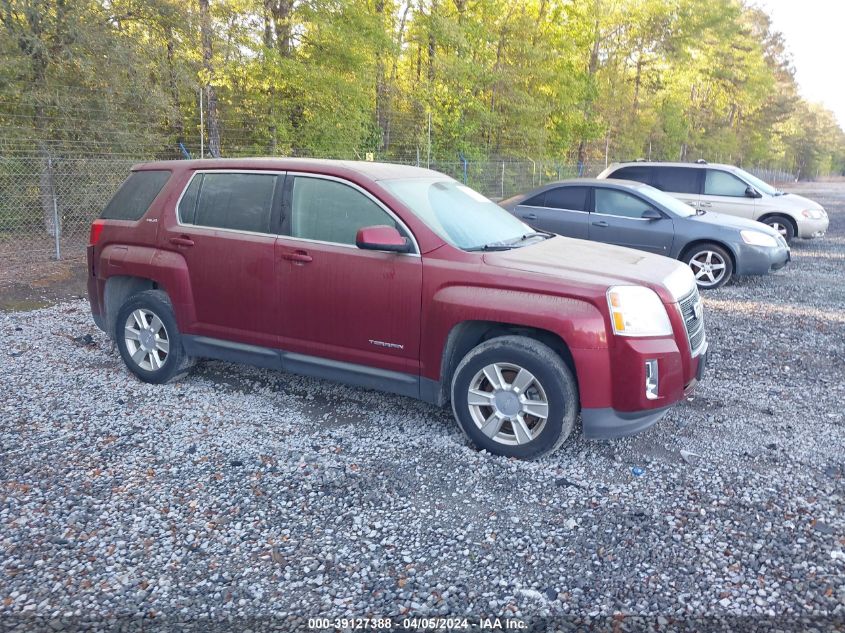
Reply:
x=96, y=229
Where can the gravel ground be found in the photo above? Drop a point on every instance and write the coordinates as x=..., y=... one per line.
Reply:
x=244, y=495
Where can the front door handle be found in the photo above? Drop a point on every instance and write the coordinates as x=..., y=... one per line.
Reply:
x=182, y=240
x=301, y=257
x=706, y=204
x=601, y=223
x=529, y=216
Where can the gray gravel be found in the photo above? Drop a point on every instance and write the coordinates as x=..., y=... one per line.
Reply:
x=245, y=493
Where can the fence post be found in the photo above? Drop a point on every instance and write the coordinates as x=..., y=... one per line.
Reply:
x=57, y=230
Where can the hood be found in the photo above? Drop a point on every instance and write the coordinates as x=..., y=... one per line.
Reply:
x=789, y=202
x=598, y=265
x=732, y=222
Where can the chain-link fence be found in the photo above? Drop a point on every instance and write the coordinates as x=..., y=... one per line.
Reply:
x=47, y=202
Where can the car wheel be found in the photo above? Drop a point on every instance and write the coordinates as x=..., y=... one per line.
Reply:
x=782, y=225
x=148, y=339
x=514, y=396
x=711, y=264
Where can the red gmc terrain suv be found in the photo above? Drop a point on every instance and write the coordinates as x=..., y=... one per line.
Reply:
x=393, y=278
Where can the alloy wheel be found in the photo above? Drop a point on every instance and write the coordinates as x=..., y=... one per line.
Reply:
x=146, y=339
x=508, y=403
x=780, y=227
x=708, y=267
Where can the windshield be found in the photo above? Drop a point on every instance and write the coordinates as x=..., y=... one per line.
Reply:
x=758, y=184
x=458, y=214
x=670, y=202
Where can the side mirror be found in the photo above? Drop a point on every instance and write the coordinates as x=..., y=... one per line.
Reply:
x=751, y=192
x=651, y=214
x=382, y=238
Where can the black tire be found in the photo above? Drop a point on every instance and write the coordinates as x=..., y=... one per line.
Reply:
x=553, y=380
x=173, y=364
x=782, y=225
x=718, y=256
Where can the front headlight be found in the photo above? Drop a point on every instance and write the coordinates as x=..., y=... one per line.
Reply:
x=637, y=311
x=813, y=214
x=756, y=238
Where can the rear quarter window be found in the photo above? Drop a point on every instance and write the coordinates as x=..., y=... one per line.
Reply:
x=135, y=195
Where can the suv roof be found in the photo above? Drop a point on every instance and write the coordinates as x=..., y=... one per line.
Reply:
x=657, y=163
x=370, y=170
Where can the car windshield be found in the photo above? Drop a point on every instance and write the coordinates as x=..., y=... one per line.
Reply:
x=460, y=215
x=670, y=202
x=758, y=184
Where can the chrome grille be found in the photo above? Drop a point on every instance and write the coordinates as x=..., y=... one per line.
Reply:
x=693, y=323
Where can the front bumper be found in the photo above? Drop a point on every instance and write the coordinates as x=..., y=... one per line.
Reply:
x=812, y=228
x=606, y=423
x=760, y=260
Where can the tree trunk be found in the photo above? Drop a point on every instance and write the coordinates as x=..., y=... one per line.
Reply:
x=47, y=192
x=592, y=67
x=281, y=11
x=637, y=83
x=432, y=41
x=177, y=122
x=210, y=92
x=381, y=85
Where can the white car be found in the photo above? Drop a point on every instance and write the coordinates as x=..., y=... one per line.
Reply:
x=731, y=190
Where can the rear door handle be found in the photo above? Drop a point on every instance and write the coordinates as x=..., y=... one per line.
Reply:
x=182, y=240
x=297, y=256
x=600, y=223
x=529, y=216
x=706, y=204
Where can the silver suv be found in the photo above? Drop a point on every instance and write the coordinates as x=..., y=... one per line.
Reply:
x=731, y=190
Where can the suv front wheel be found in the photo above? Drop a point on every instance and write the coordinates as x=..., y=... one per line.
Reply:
x=514, y=396
x=148, y=339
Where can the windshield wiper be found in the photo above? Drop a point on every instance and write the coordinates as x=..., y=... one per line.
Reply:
x=493, y=246
x=544, y=234
x=505, y=245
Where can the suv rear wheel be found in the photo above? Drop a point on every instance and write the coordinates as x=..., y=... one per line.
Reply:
x=148, y=339
x=710, y=263
x=514, y=396
x=782, y=225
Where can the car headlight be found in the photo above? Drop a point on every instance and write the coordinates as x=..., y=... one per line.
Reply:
x=637, y=311
x=813, y=214
x=756, y=238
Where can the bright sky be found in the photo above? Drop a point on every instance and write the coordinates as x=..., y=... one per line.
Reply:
x=813, y=30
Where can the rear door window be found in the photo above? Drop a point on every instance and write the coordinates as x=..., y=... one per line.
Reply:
x=135, y=195
x=677, y=179
x=639, y=173
x=620, y=203
x=235, y=201
x=721, y=183
x=330, y=211
x=568, y=198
